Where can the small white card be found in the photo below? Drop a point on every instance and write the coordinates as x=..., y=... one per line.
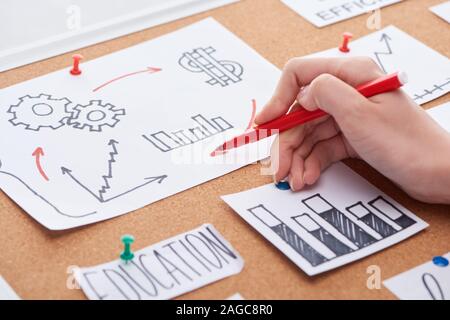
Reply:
x=441, y=114
x=6, y=292
x=325, y=12
x=425, y=282
x=341, y=219
x=164, y=270
x=394, y=50
x=442, y=10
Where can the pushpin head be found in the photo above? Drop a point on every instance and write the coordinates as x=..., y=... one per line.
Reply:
x=76, y=64
x=440, y=261
x=346, y=39
x=283, y=185
x=127, y=255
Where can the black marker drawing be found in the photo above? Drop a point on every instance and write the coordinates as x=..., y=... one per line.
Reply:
x=436, y=87
x=37, y=112
x=94, y=116
x=100, y=194
x=222, y=72
x=340, y=221
x=392, y=212
x=166, y=142
x=287, y=235
x=320, y=233
x=362, y=213
x=388, y=51
x=430, y=282
x=35, y=193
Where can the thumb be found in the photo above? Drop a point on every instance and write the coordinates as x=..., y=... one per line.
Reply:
x=333, y=96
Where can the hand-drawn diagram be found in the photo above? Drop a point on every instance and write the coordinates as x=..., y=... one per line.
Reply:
x=432, y=286
x=100, y=194
x=36, y=194
x=148, y=70
x=94, y=116
x=37, y=112
x=287, y=235
x=327, y=217
x=387, y=52
x=320, y=233
x=436, y=87
x=206, y=128
x=221, y=72
x=45, y=111
x=339, y=220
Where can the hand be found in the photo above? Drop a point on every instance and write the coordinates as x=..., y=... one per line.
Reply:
x=389, y=131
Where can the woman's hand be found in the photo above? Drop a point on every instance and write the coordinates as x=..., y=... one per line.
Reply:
x=389, y=131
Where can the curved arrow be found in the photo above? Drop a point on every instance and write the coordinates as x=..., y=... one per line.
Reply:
x=38, y=153
x=9, y=174
x=149, y=70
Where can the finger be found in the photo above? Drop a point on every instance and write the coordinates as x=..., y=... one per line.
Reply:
x=323, y=131
x=285, y=144
x=282, y=149
x=299, y=72
x=335, y=97
x=322, y=156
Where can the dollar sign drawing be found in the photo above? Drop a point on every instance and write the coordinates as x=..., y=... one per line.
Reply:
x=220, y=72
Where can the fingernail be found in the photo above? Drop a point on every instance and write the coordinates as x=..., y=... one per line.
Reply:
x=302, y=94
x=291, y=182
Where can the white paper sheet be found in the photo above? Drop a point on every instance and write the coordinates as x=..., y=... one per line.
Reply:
x=236, y=296
x=325, y=12
x=70, y=25
x=394, y=50
x=425, y=282
x=6, y=292
x=123, y=134
x=442, y=10
x=164, y=270
x=341, y=219
x=441, y=114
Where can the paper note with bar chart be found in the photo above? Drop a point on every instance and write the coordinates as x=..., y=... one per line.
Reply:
x=341, y=219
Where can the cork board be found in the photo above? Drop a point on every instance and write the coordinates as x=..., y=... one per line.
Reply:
x=35, y=261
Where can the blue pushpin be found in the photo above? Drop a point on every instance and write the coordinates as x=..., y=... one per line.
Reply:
x=440, y=261
x=283, y=185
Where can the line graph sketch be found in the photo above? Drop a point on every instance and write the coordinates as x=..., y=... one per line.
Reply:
x=100, y=194
x=394, y=50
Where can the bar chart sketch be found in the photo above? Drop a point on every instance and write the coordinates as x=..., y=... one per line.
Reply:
x=203, y=129
x=340, y=219
x=326, y=224
x=287, y=235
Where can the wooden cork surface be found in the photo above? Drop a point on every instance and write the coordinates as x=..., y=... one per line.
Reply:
x=35, y=261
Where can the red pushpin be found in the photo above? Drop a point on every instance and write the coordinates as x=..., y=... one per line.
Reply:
x=76, y=64
x=344, y=47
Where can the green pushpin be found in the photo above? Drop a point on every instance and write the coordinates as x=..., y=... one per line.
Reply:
x=127, y=255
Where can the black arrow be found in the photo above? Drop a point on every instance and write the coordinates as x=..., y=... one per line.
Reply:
x=384, y=38
x=100, y=195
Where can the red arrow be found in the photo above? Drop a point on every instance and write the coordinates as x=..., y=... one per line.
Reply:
x=150, y=70
x=37, y=154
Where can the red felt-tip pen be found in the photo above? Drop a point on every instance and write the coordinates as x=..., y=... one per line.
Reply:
x=381, y=85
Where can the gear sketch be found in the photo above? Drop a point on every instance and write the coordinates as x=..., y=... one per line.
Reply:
x=94, y=116
x=37, y=112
